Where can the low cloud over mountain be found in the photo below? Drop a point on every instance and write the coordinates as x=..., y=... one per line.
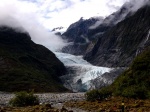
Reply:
x=22, y=16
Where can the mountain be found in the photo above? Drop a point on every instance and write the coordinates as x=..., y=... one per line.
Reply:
x=76, y=34
x=59, y=30
x=111, y=20
x=134, y=82
x=81, y=76
x=25, y=65
x=118, y=46
x=84, y=33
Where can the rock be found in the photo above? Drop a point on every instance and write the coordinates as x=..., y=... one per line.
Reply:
x=63, y=109
x=118, y=46
x=48, y=105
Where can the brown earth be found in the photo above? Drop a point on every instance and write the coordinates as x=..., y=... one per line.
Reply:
x=113, y=104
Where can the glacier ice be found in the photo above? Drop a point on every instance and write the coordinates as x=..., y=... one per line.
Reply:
x=69, y=59
x=80, y=72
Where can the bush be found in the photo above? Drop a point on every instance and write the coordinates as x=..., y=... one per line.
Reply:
x=98, y=94
x=105, y=92
x=136, y=92
x=23, y=99
x=92, y=95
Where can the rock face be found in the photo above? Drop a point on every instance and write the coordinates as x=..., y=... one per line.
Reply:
x=77, y=35
x=134, y=82
x=25, y=65
x=119, y=45
x=84, y=33
x=106, y=79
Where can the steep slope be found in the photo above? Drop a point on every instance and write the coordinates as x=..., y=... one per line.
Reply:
x=84, y=33
x=25, y=65
x=78, y=29
x=135, y=81
x=119, y=45
x=111, y=20
x=76, y=34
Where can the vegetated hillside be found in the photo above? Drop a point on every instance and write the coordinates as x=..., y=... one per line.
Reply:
x=25, y=65
x=118, y=46
x=135, y=81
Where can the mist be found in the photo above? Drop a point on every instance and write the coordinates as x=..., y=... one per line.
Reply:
x=23, y=18
x=137, y=4
x=131, y=7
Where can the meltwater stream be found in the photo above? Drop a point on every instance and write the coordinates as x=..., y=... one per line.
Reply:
x=83, y=76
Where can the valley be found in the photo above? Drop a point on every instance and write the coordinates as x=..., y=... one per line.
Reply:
x=82, y=76
x=97, y=65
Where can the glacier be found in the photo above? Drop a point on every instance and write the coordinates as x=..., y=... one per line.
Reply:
x=82, y=76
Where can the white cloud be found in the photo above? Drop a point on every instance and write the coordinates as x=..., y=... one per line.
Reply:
x=131, y=7
x=137, y=4
x=22, y=15
x=57, y=13
x=31, y=15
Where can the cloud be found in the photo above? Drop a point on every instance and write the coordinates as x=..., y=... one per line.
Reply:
x=138, y=4
x=22, y=15
x=55, y=13
x=130, y=6
x=33, y=16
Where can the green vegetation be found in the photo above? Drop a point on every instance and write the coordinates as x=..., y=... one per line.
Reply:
x=133, y=83
x=23, y=99
x=98, y=94
x=26, y=66
x=92, y=95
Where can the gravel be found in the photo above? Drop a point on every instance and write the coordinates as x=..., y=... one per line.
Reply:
x=55, y=99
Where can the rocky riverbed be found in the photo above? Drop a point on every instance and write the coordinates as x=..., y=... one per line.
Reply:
x=57, y=100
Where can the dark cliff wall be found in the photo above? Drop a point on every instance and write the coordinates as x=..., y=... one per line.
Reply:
x=120, y=44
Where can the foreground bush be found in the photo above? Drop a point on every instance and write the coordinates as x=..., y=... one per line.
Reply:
x=98, y=94
x=134, y=82
x=23, y=99
x=92, y=95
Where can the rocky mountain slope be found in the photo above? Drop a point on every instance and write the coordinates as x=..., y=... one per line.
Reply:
x=135, y=81
x=84, y=33
x=25, y=65
x=120, y=44
x=76, y=34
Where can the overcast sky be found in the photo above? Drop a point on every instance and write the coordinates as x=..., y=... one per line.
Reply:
x=55, y=13
x=37, y=17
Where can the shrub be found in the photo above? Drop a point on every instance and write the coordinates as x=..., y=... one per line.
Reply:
x=136, y=92
x=23, y=99
x=134, y=82
x=99, y=94
x=92, y=95
x=105, y=92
